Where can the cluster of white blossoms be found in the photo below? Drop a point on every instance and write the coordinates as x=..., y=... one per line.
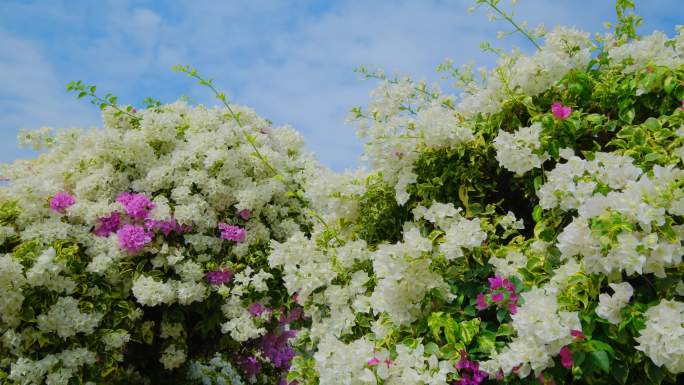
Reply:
x=53, y=368
x=216, y=371
x=654, y=49
x=241, y=324
x=403, y=118
x=644, y=200
x=609, y=307
x=565, y=49
x=65, y=319
x=663, y=338
x=542, y=330
x=404, y=277
x=359, y=363
x=516, y=152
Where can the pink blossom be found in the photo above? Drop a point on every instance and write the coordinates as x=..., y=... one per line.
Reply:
x=61, y=201
x=251, y=366
x=219, y=277
x=577, y=334
x=560, y=111
x=513, y=308
x=244, y=214
x=232, y=233
x=481, y=302
x=256, y=309
x=496, y=282
x=108, y=225
x=136, y=205
x=133, y=238
x=682, y=107
x=497, y=297
x=373, y=361
x=566, y=357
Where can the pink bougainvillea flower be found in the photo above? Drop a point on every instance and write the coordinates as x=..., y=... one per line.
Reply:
x=136, y=205
x=577, y=334
x=133, y=238
x=560, y=111
x=566, y=357
x=496, y=282
x=244, y=214
x=497, y=297
x=481, y=302
x=219, y=277
x=513, y=308
x=108, y=225
x=256, y=309
x=682, y=107
x=232, y=233
x=251, y=366
x=61, y=201
x=373, y=361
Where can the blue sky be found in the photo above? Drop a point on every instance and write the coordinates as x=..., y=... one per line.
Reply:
x=292, y=61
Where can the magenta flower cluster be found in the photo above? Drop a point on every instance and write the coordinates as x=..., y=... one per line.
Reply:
x=502, y=293
x=219, y=277
x=133, y=238
x=232, y=233
x=469, y=371
x=166, y=226
x=560, y=111
x=62, y=201
x=137, y=230
x=107, y=225
x=136, y=205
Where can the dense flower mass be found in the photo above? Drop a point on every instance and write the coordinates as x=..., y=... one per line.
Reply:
x=526, y=231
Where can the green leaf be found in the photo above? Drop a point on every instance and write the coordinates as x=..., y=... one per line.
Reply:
x=468, y=330
x=627, y=115
x=620, y=372
x=537, y=213
x=600, y=358
x=654, y=373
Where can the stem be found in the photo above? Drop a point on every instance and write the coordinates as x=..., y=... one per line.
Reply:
x=510, y=20
x=114, y=106
x=235, y=117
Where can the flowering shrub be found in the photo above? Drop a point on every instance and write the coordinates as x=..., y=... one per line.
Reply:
x=528, y=230
x=138, y=252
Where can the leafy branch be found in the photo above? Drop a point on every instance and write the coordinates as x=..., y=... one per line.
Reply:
x=103, y=102
x=494, y=5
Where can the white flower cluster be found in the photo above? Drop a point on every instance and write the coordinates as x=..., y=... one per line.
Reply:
x=240, y=324
x=509, y=265
x=542, y=330
x=663, y=338
x=565, y=49
x=516, y=152
x=359, y=363
x=609, y=307
x=216, y=371
x=57, y=368
x=173, y=357
x=459, y=233
x=65, y=319
x=405, y=117
x=641, y=200
x=11, y=297
x=654, y=49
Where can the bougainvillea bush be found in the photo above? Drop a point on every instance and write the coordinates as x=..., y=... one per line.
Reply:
x=525, y=230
